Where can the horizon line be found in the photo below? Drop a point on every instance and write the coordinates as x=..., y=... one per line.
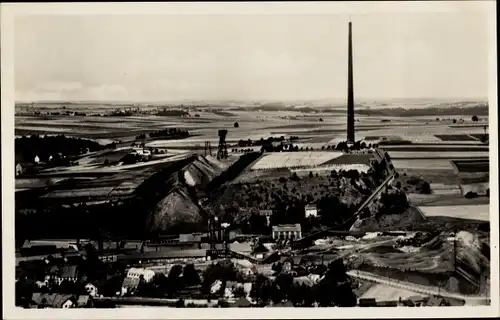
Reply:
x=254, y=100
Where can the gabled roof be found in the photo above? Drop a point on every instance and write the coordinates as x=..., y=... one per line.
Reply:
x=130, y=283
x=68, y=271
x=54, y=300
x=242, y=303
x=435, y=301
x=83, y=300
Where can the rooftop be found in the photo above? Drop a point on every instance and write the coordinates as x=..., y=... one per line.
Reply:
x=68, y=271
x=55, y=300
x=190, y=253
x=287, y=227
x=129, y=282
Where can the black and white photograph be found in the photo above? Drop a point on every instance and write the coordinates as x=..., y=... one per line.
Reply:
x=199, y=155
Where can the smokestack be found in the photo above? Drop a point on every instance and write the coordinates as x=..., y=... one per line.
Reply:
x=350, y=92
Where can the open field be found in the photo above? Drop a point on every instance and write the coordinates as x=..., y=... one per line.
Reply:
x=474, y=212
x=253, y=124
x=450, y=198
x=455, y=137
x=437, y=154
x=425, y=164
x=294, y=159
x=472, y=165
x=382, y=292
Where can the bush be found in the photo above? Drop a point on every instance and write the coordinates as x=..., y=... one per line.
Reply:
x=236, y=125
x=425, y=188
x=475, y=118
x=471, y=195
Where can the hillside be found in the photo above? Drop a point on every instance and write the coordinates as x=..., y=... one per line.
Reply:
x=202, y=170
x=179, y=209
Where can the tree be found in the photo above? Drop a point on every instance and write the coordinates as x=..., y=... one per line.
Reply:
x=174, y=279
x=190, y=275
x=475, y=118
x=425, y=188
x=180, y=303
x=106, y=162
x=320, y=119
x=311, y=174
x=236, y=125
x=261, y=290
x=454, y=120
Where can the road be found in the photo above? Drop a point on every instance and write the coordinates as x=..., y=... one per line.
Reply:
x=431, y=291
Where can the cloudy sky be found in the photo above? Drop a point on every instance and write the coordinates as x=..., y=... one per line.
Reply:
x=286, y=57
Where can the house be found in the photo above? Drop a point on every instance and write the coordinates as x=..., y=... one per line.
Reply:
x=146, y=274
x=19, y=169
x=53, y=300
x=190, y=237
x=311, y=210
x=84, y=301
x=435, y=301
x=287, y=231
x=368, y=302
x=36, y=160
x=245, y=287
x=64, y=273
x=130, y=285
x=242, y=303
x=266, y=213
x=91, y=289
x=415, y=301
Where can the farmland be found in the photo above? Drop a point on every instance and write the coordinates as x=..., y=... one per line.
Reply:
x=456, y=137
x=465, y=166
x=294, y=160
x=433, y=145
x=472, y=212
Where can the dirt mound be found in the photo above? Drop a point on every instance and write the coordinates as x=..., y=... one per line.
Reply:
x=178, y=209
x=202, y=170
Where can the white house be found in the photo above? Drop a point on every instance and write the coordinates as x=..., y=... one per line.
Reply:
x=147, y=274
x=19, y=169
x=141, y=152
x=287, y=231
x=311, y=210
x=37, y=159
x=216, y=286
x=68, y=304
x=91, y=289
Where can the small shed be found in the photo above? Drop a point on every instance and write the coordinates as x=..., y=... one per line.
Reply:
x=311, y=210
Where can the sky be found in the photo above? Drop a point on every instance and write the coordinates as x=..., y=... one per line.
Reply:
x=250, y=57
